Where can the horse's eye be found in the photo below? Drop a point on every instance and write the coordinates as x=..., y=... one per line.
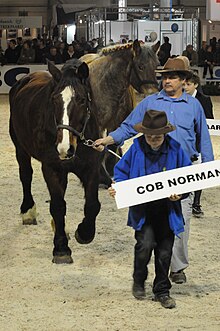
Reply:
x=141, y=67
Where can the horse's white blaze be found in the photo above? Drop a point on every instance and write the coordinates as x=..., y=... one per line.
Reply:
x=63, y=147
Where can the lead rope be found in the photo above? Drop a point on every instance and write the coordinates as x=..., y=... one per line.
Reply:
x=90, y=143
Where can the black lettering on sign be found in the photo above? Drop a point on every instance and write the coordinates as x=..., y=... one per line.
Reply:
x=140, y=190
x=10, y=75
x=200, y=176
x=150, y=187
x=190, y=178
x=210, y=174
x=159, y=185
x=181, y=180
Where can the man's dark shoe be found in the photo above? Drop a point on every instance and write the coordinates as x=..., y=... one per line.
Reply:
x=138, y=291
x=178, y=277
x=197, y=211
x=166, y=301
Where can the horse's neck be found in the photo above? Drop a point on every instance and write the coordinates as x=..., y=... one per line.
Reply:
x=120, y=70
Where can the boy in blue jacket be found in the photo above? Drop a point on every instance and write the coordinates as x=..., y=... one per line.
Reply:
x=157, y=222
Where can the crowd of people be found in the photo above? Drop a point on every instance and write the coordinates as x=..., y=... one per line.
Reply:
x=39, y=50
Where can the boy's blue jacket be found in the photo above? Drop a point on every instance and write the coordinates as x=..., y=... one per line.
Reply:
x=133, y=165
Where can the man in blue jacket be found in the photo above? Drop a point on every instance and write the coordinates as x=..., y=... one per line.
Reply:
x=187, y=114
x=155, y=223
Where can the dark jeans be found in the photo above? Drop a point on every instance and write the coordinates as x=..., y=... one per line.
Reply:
x=154, y=235
x=197, y=197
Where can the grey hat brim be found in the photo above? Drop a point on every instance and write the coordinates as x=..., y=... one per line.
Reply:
x=166, y=129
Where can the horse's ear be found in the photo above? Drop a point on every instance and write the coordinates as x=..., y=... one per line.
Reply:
x=83, y=71
x=156, y=46
x=54, y=71
x=136, y=47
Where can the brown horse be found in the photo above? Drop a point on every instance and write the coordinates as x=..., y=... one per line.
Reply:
x=114, y=74
x=42, y=107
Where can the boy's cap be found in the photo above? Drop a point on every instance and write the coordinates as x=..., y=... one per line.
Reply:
x=154, y=123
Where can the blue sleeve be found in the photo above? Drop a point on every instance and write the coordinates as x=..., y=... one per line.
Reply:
x=122, y=167
x=126, y=130
x=203, y=136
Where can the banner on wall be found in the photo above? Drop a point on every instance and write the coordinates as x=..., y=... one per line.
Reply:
x=20, y=22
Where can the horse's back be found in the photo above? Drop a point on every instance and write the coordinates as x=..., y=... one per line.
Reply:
x=29, y=83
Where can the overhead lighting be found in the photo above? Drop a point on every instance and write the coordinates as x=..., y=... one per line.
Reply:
x=210, y=21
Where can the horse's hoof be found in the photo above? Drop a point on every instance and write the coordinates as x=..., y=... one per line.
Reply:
x=30, y=217
x=82, y=241
x=65, y=259
x=29, y=222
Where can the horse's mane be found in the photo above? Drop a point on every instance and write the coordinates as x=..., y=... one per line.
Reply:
x=112, y=49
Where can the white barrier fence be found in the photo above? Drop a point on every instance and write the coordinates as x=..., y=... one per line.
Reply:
x=9, y=74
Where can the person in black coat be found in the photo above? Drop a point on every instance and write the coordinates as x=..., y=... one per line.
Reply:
x=192, y=86
x=11, y=53
x=53, y=56
x=164, y=52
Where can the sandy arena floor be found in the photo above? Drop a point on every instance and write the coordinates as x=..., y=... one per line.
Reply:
x=94, y=293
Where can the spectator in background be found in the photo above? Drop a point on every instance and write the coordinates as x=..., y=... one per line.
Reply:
x=164, y=52
x=40, y=52
x=53, y=56
x=69, y=53
x=191, y=86
x=191, y=54
x=62, y=49
x=27, y=55
x=11, y=53
x=202, y=54
x=213, y=43
x=216, y=55
x=79, y=51
x=19, y=45
x=209, y=62
x=85, y=45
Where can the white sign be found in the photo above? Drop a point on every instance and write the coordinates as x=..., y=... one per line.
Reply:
x=20, y=22
x=163, y=184
x=214, y=127
x=9, y=74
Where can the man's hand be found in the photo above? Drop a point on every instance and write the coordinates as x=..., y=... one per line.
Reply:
x=100, y=143
x=112, y=191
x=175, y=197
